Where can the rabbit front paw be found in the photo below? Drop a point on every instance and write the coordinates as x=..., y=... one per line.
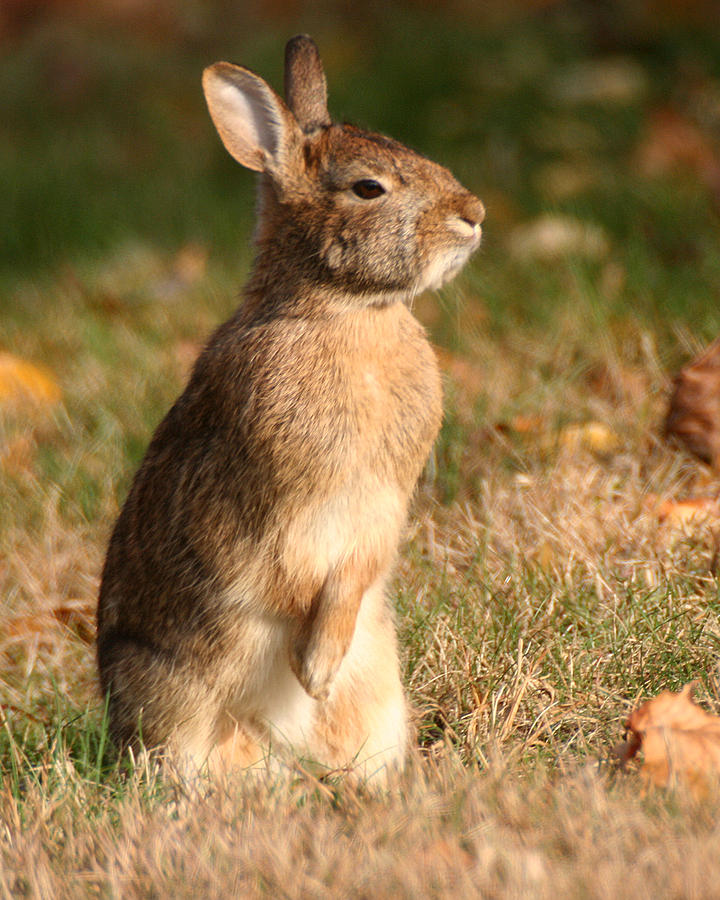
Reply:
x=316, y=667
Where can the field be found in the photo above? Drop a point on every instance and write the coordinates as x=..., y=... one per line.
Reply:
x=547, y=584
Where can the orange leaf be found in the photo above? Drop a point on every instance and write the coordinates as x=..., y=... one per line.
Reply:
x=25, y=383
x=522, y=425
x=680, y=742
x=47, y=624
x=594, y=436
x=683, y=512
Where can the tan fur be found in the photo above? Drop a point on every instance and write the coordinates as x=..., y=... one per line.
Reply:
x=242, y=609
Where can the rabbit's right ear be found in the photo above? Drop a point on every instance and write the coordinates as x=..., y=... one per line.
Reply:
x=253, y=122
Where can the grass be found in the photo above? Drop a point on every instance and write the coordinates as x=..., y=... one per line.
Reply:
x=539, y=596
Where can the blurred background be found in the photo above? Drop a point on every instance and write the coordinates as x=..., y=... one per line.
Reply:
x=590, y=129
x=605, y=112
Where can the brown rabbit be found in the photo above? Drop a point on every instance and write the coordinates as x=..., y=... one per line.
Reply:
x=242, y=607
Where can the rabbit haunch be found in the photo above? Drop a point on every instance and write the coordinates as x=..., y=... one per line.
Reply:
x=243, y=602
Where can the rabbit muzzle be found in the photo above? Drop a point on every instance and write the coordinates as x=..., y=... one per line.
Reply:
x=466, y=228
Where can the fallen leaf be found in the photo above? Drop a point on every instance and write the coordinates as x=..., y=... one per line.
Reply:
x=594, y=436
x=680, y=741
x=693, y=416
x=23, y=383
x=682, y=512
x=618, y=384
x=529, y=424
x=45, y=625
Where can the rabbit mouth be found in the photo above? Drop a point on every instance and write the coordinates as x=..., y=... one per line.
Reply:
x=446, y=265
x=466, y=228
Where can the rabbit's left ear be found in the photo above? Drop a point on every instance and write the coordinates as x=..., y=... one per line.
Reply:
x=253, y=122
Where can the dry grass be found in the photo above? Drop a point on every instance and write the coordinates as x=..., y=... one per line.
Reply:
x=535, y=610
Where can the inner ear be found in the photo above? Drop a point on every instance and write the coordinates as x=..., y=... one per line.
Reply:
x=253, y=122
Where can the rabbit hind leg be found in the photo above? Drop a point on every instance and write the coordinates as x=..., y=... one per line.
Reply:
x=155, y=704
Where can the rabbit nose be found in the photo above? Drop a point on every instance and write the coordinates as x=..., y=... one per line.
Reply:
x=465, y=226
x=468, y=218
x=474, y=212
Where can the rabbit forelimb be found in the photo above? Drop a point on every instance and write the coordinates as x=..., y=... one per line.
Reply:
x=323, y=637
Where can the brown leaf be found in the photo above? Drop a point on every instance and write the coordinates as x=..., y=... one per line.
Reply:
x=46, y=625
x=679, y=740
x=546, y=555
x=693, y=416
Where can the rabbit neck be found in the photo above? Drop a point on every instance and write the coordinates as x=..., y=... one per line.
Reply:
x=289, y=294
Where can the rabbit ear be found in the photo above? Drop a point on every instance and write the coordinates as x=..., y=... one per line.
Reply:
x=305, y=85
x=253, y=122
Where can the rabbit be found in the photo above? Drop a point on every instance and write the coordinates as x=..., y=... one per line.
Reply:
x=242, y=612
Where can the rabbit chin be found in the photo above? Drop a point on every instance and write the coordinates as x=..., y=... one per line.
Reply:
x=444, y=267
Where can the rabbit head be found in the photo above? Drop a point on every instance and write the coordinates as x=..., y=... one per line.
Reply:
x=350, y=211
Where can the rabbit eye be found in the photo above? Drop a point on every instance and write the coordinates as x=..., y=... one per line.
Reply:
x=368, y=189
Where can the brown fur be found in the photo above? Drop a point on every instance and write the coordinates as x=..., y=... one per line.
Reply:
x=242, y=601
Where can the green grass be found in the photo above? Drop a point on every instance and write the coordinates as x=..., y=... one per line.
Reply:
x=539, y=597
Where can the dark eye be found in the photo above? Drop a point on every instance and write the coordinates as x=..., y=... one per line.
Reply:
x=368, y=189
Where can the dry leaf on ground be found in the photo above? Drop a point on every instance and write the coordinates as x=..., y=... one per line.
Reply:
x=693, y=416
x=522, y=425
x=24, y=384
x=595, y=436
x=679, y=740
x=678, y=513
x=48, y=625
